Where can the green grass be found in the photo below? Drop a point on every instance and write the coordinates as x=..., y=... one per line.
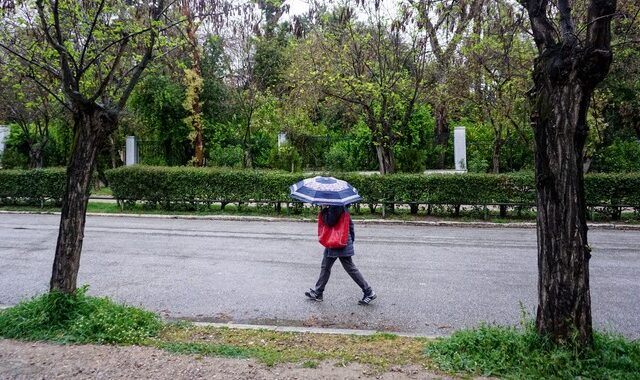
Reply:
x=78, y=318
x=522, y=354
x=504, y=352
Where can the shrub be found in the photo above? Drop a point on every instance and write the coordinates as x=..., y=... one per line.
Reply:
x=77, y=318
x=32, y=186
x=523, y=354
x=285, y=158
x=167, y=185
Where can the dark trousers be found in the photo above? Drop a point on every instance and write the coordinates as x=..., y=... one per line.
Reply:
x=348, y=265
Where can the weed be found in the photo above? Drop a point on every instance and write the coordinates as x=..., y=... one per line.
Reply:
x=523, y=354
x=77, y=318
x=310, y=364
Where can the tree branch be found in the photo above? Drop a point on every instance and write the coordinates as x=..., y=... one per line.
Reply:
x=543, y=31
x=599, y=18
x=90, y=35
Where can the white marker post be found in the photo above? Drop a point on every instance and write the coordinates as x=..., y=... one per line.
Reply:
x=460, y=149
x=4, y=134
x=132, y=151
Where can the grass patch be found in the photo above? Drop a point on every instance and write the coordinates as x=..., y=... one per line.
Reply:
x=521, y=354
x=206, y=349
x=310, y=364
x=78, y=318
x=269, y=347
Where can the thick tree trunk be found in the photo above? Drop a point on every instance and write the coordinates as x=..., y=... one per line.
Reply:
x=495, y=160
x=386, y=159
x=442, y=133
x=92, y=127
x=559, y=121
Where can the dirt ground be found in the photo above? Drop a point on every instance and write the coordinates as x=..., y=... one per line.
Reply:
x=29, y=360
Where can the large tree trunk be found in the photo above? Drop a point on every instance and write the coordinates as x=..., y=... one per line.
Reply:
x=559, y=121
x=91, y=129
x=442, y=133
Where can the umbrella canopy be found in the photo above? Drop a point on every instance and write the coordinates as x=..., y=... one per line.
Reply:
x=324, y=191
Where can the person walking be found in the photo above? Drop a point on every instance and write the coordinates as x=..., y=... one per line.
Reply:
x=330, y=217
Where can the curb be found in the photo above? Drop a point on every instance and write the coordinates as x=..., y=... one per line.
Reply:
x=308, y=330
x=599, y=226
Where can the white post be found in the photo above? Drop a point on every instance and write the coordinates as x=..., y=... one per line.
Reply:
x=4, y=133
x=282, y=139
x=132, y=151
x=460, y=149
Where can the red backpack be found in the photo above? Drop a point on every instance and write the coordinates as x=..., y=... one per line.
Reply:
x=336, y=236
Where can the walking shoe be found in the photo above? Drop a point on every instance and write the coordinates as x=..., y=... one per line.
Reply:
x=368, y=298
x=312, y=294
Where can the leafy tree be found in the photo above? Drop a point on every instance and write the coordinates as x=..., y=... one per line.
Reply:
x=97, y=52
x=446, y=24
x=157, y=103
x=499, y=67
x=375, y=67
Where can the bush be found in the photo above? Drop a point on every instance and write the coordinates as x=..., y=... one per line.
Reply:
x=169, y=185
x=523, y=354
x=32, y=186
x=285, y=158
x=339, y=158
x=228, y=156
x=77, y=318
x=621, y=156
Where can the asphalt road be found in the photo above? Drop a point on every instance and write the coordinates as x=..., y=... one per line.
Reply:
x=430, y=280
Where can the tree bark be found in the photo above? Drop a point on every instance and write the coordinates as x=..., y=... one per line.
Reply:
x=91, y=129
x=386, y=159
x=559, y=121
x=566, y=71
x=442, y=133
x=497, y=150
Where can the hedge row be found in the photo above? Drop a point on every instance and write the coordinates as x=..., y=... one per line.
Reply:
x=167, y=185
x=32, y=186
x=179, y=184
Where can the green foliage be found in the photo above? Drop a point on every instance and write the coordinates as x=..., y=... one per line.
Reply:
x=164, y=186
x=620, y=156
x=77, y=318
x=285, y=158
x=208, y=349
x=339, y=157
x=157, y=104
x=230, y=156
x=32, y=186
x=523, y=354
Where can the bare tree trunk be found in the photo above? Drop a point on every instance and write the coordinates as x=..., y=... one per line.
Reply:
x=386, y=159
x=497, y=150
x=564, y=300
x=442, y=133
x=91, y=128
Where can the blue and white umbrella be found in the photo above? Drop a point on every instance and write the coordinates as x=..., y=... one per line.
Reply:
x=324, y=191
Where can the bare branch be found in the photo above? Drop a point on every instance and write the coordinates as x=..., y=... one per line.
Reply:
x=90, y=35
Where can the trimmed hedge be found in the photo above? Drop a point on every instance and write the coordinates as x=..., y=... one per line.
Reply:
x=175, y=185
x=32, y=186
x=167, y=185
